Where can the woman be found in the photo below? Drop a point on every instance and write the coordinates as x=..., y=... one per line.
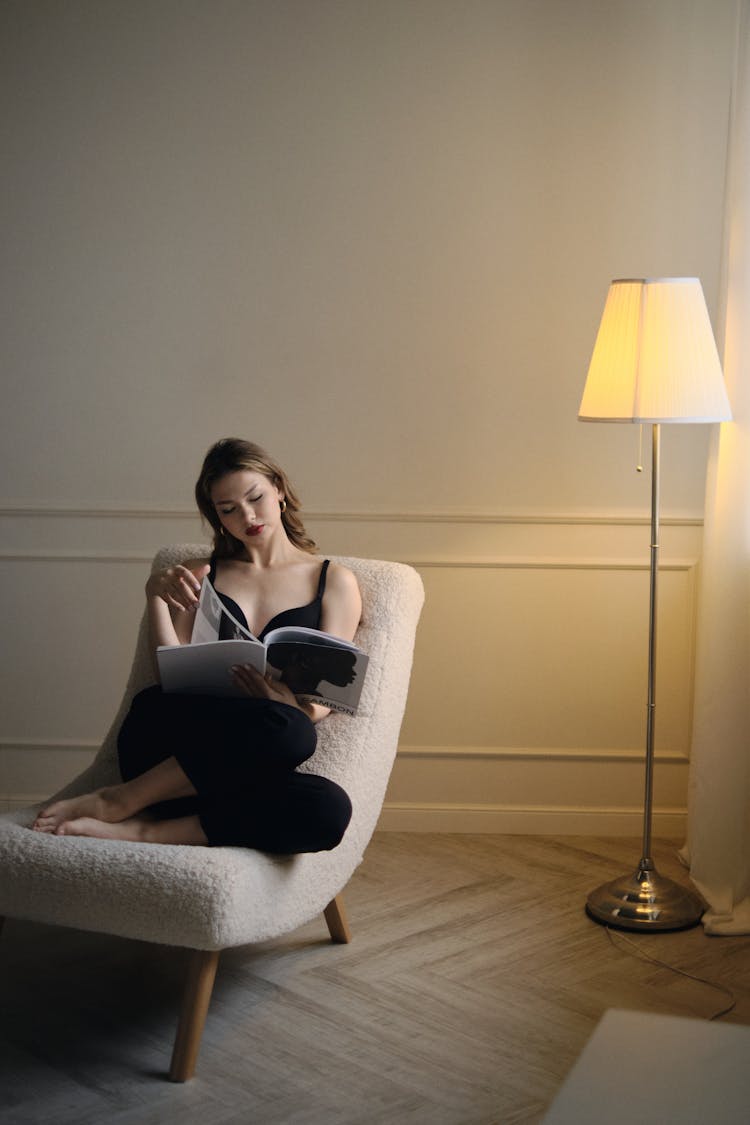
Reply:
x=222, y=771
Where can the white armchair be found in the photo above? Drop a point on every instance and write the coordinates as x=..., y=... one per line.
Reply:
x=208, y=899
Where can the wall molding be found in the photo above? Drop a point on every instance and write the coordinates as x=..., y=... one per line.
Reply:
x=62, y=511
x=57, y=511
x=502, y=562
x=46, y=556
x=539, y=820
x=497, y=819
x=44, y=744
x=19, y=801
x=495, y=753
x=28, y=764
x=513, y=562
x=556, y=754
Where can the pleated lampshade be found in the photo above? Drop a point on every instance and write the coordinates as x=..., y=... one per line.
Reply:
x=655, y=357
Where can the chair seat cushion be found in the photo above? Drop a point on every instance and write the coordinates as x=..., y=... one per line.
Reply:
x=203, y=898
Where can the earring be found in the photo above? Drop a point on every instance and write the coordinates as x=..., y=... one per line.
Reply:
x=282, y=505
x=221, y=530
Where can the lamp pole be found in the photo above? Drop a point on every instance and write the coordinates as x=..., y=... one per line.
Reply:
x=647, y=900
x=652, y=607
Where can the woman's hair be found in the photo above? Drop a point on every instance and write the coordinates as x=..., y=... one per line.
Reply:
x=232, y=455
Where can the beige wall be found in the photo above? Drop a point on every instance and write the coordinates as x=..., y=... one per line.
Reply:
x=376, y=237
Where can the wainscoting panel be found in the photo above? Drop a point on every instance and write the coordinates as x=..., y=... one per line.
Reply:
x=527, y=703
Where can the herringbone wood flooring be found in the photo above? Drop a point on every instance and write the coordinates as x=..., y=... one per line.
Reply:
x=472, y=983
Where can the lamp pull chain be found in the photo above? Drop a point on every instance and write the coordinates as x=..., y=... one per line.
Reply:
x=639, y=466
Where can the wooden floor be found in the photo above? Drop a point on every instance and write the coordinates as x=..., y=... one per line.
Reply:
x=472, y=983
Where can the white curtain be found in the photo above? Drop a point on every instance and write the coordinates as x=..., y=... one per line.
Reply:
x=719, y=800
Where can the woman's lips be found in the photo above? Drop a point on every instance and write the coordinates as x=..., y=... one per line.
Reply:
x=255, y=529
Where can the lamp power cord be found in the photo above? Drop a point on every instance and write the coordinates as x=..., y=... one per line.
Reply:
x=673, y=969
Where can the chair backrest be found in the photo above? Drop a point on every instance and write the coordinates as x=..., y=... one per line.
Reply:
x=358, y=751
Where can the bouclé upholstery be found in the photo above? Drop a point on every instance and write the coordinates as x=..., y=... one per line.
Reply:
x=212, y=898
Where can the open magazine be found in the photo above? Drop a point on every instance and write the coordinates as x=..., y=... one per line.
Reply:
x=316, y=666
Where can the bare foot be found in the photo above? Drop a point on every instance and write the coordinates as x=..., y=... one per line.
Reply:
x=139, y=829
x=104, y=805
x=134, y=828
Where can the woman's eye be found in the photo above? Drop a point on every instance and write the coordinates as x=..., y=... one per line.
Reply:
x=225, y=511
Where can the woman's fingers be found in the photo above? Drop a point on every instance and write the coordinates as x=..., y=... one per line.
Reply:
x=250, y=680
x=255, y=684
x=188, y=581
x=177, y=586
x=187, y=590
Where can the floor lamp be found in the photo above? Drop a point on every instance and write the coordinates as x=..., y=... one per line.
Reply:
x=654, y=361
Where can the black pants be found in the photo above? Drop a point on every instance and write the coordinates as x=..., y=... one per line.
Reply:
x=241, y=756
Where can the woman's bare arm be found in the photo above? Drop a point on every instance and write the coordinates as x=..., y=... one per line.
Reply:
x=342, y=610
x=342, y=603
x=171, y=600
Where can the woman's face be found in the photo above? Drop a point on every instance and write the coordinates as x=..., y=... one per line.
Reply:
x=247, y=504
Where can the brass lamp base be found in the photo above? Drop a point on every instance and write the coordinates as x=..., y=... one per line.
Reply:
x=645, y=901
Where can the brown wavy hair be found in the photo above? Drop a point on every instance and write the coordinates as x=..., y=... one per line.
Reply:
x=232, y=455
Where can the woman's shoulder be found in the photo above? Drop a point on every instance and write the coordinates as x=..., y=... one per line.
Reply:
x=342, y=584
x=341, y=575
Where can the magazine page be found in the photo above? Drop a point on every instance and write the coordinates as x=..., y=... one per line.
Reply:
x=328, y=671
x=214, y=622
x=291, y=633
x=205, y=668
x=207, y=616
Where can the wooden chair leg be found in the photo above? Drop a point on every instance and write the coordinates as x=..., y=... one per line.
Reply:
x=335, y=917
x=199, y=985
x=195, y=1000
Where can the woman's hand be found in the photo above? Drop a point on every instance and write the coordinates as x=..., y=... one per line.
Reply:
x=177, y=586
x=258, y=686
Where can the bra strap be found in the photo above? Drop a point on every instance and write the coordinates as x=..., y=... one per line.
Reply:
x=322, y=580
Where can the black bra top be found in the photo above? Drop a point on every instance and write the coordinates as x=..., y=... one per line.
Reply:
x=305, y=615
